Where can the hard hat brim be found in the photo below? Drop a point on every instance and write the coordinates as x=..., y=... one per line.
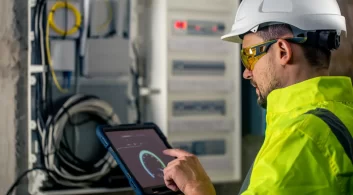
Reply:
x=232, y=37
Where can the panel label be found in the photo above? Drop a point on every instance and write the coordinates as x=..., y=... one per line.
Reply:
x=192, y=108
x=181, y=67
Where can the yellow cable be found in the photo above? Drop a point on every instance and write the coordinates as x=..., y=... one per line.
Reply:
x=51, y=23
x=73, y=9
x=50, y=62
x=103, y=26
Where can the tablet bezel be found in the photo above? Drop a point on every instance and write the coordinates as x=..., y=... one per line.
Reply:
x=134, y=127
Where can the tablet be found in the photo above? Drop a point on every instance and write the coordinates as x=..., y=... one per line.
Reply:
x=138, y=150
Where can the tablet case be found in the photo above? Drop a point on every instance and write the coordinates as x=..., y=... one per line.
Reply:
x=106, y=143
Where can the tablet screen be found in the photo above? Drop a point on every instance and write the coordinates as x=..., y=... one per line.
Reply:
x=142, y=152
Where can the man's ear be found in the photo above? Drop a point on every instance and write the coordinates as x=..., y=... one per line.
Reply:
x=284, y=54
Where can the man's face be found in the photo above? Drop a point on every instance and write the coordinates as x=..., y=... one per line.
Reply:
x=264, y=76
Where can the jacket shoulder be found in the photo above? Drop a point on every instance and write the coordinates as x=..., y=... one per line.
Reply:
x=305, y=123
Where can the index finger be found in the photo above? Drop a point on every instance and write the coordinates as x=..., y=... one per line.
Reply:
x=176, y=153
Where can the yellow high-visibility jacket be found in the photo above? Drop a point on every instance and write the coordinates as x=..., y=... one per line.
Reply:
x=300, y=154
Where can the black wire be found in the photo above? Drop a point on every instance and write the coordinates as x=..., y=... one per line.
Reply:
x=37, y=11
x=126, y=31
x=40, y=103
x=136, y=91
x=36, y=43
x=78, y=66
x=66, y=19
x=40, y=9
x=18, y=180
x=39, y=112
x=66, y=153
x=112, y=24
x=136, y=75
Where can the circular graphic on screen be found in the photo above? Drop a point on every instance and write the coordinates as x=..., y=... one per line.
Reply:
x=152, y=163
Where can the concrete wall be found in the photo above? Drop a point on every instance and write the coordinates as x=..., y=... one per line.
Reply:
x=9, y=75
x=13, y=63
x=21, y=30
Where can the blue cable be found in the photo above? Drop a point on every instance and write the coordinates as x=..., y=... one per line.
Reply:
x=67, y=79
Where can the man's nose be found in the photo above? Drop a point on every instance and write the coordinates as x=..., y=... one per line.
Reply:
x=247, y=74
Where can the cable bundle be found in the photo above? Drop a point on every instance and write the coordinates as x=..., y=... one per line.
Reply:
x=66, y=171
x=61, y=164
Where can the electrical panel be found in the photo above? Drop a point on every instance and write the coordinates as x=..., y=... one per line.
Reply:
x=107, y=49
x=109, y=18
x=63, y=55
x=107, y=57
x=103, y=18
x=198, y=77
x=70, y=47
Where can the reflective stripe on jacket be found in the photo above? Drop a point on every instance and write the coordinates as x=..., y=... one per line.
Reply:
x=300, y=154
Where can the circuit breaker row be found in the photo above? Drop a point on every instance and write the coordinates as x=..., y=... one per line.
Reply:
x=199, y=81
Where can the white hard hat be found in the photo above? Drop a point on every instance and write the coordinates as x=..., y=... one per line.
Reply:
x=308, y=15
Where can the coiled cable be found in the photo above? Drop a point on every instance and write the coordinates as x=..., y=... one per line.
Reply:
x=53, y=134
x=59, y=5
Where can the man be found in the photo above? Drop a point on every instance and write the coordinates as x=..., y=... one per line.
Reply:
x=308, y=147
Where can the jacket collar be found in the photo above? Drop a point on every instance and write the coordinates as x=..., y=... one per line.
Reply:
x=310, y=92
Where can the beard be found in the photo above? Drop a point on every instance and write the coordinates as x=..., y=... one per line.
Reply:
x=263, y=93
x=270, y=82
x=262, y=100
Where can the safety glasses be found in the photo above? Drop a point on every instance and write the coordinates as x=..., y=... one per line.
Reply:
x=251, y=55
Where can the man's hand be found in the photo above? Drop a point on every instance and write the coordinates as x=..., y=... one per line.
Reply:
x=186, y=174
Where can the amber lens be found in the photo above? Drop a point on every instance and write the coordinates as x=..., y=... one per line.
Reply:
x=244, y=59
x=249, y=57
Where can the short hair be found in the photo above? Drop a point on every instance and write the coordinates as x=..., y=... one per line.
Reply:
x=316, y=56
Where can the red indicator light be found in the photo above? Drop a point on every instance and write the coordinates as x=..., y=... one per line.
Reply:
x=215, y=28
x=180, y=25
x=197, y=28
